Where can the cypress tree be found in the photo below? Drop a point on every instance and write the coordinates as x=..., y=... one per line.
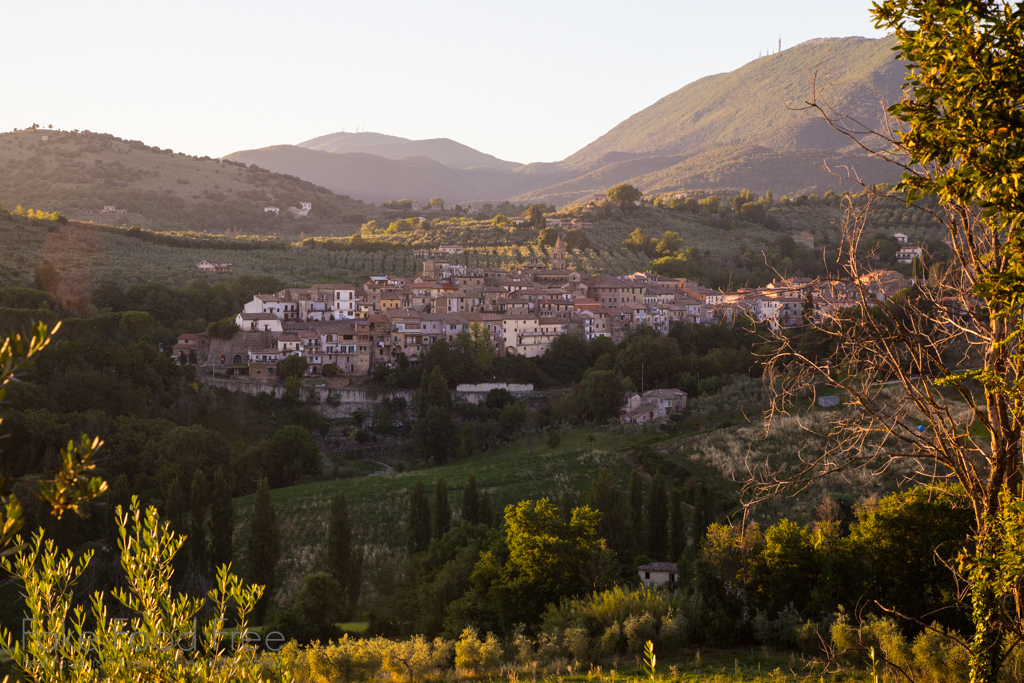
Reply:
x=701, y=514
x=175, y=512
x=222, y=521
x=657, y=519
x=435, y=431
x=487, y=515
x=433, y=393
x=471, y=501
x=198, y=554
x=418, y=527
x=175, y=507
x=264, y=547
x=565, y=506
x=423, y=396
x=635, y=503
x=677, y=526
x=339, y=545
x=442, y=510
x=606, y=497
x=355, y=580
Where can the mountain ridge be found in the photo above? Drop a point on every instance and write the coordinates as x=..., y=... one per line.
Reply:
x=449, y=152
x=743, y=128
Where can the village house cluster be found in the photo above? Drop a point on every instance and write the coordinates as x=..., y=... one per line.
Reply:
x=387, y=318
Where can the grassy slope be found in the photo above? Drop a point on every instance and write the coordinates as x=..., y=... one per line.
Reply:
x=79, y=173
x=378, y=504
x=85, y=257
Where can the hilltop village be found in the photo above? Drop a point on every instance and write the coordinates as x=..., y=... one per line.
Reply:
x=342, y=329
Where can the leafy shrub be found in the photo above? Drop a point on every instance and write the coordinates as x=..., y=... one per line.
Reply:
x=222, y=329
x=598, y=611
x=674, y=631
x=415, y=659
x=577, y=643
x=779, y=632
x=346, y=660
x=639, y=629
x=523, y=646
x=611, y=640
x=476, y=656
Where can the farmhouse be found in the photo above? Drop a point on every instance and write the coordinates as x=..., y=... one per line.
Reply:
x=657, y=404
x=658, y=574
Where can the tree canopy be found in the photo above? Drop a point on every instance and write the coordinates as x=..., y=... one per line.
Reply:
x=625, y=195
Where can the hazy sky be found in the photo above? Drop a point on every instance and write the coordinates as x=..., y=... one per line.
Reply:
x=525, y=80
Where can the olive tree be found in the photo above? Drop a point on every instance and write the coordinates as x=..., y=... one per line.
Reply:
x=167, y=636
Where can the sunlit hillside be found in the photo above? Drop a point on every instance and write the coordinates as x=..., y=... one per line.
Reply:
x=80, y=173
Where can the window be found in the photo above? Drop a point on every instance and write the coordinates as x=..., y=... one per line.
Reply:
x=647, y=575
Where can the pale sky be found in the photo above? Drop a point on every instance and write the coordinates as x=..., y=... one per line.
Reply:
x=526, y=81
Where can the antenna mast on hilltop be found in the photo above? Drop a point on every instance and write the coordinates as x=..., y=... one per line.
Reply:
x=780, y=42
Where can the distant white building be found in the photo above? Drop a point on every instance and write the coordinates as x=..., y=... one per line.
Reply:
x=271, y=209
x=908, y=254
x=900, y=237
x=340, y=298
x=657, y=404
x=658, y=574
x=477, y=393
x=215, y=266
x=258, y=322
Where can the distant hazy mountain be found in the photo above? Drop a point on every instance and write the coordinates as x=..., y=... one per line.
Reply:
x=448, y=152
x=747, y=128
x=374, y=178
